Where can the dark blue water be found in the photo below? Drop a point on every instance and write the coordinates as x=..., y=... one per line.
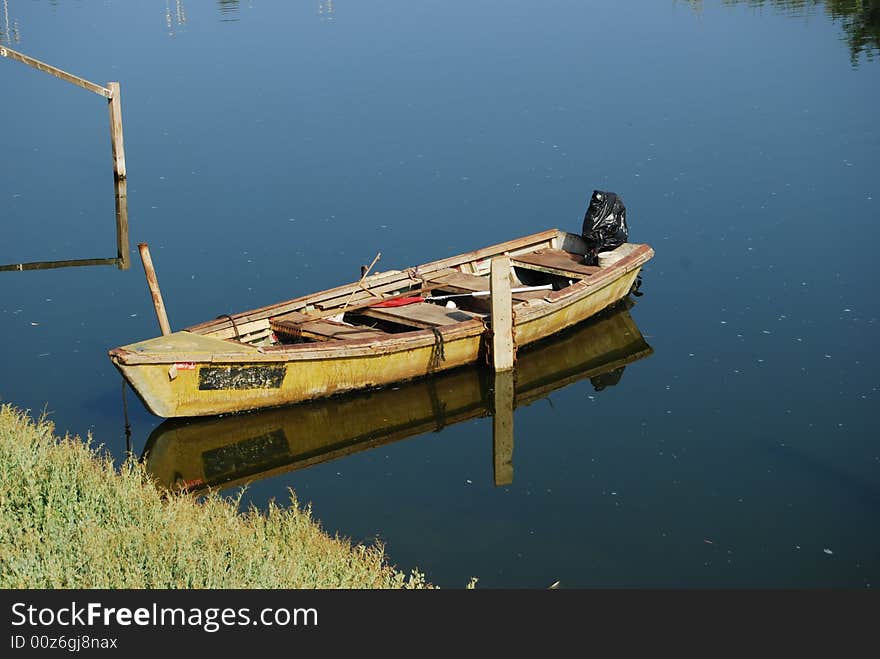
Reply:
x=273, y=148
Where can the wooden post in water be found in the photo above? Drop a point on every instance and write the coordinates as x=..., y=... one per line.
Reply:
x=116, y=144
x=122, y=252
x=502, y=314
x=502, y=428
x=110, y=92
x=153, y=283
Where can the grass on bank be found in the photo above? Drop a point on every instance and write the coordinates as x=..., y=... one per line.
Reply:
x=69, y=519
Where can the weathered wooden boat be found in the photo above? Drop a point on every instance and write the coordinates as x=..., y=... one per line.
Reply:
x=194, y=454
x=356, y=336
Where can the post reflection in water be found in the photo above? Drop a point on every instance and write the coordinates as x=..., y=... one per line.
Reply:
x=326, y=10
x=9, y=32
x=193, y=454
x=122, y=260
x=502, y=427
x=175, y=19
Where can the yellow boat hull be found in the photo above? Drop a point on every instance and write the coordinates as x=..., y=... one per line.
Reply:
x=204, y=372
x=197, y=453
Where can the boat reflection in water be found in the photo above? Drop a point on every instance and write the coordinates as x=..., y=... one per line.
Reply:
x=194, y=454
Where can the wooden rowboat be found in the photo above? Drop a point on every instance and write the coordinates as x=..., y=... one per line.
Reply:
x=193, y=454
x=357, y=337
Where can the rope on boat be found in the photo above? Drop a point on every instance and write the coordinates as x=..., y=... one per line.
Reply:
x=438, y=408
x=234, y=326
x=438, y=353
x=486, y=345
x=415, y=275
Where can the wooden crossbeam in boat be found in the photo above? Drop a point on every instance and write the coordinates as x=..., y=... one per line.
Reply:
x=423, y=315
x=370, y=292
x=555, y=262
x=388, y=281
x=299, y=325
x=465, y=283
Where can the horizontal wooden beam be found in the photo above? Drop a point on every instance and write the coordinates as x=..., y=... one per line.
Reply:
x=55, y=71
x=49, y=265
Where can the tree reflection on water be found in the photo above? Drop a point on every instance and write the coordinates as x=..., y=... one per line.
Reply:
x=860, y=19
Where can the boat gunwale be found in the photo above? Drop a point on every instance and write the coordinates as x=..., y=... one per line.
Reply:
x=524, y=312
x=557, y=300
x=335, y=349
x=379, y=279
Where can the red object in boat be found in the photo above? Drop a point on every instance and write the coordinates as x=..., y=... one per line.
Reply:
x=397, y=302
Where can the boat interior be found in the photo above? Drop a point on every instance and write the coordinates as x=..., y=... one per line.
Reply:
x=428, y=297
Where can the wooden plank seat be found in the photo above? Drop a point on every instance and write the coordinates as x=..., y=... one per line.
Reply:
x=461, y=282
x=555, y=262
x=368, y=291
x=296, y=325
x=422, y=315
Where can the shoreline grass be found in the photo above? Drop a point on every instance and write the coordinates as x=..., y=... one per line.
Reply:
x=70, y=519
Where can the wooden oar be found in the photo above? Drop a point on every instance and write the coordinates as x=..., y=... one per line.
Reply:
x=364, y=273
x=409, y=298
x=523, y=289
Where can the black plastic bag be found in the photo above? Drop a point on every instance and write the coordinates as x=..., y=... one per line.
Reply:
x=604, y=225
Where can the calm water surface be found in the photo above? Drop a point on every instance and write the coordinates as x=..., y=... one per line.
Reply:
x=273, y=148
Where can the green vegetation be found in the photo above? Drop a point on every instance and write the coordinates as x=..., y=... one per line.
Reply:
x=69, y=519
x=861, y=23
x=860, y=19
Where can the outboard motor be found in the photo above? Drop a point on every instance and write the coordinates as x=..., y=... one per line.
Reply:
x=604, y=225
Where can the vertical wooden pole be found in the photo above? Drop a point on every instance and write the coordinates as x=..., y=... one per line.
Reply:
x=122, y=253
x=502, y=314
x=116, y=130
x=153, y=283
x=128, y=452
x=502, y=428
